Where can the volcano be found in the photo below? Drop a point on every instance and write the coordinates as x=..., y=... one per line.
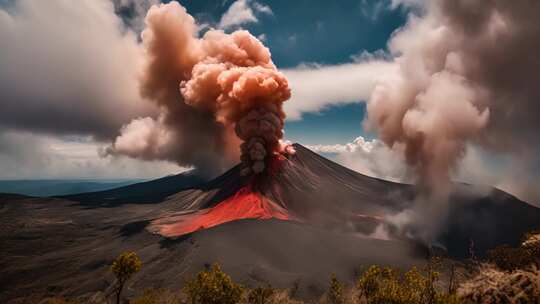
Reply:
x=307, y=218
x=302, y=187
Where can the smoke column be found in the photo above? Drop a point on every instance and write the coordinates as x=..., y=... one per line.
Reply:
x=214, y=92
x=468, y=72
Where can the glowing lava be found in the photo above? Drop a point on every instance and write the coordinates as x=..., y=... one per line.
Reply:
x=244, y=204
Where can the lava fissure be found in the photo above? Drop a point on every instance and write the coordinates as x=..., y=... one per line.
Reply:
x=244, y=204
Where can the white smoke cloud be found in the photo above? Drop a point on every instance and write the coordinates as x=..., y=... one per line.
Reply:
x=478, y=166
x=466, y=76
x=513, y=175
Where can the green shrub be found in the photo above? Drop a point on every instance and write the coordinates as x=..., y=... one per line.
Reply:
x=123, y=267
x=261, y=295
x=335, y=291
x=389, y=285
x=213, y=287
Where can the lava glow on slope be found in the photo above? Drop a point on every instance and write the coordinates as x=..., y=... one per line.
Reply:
x=244, y=204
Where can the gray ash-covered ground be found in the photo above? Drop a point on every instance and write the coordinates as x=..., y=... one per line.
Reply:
x=65, y=245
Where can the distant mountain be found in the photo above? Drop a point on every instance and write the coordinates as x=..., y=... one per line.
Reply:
x=144, y=192
x=307, y=218
x=44, y=188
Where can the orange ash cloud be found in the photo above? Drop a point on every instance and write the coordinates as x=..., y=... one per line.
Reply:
x=214, y=92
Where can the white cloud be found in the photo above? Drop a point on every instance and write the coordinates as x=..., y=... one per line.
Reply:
x=69, y=69
x=369, y=157
x=243, y=12
x=315, y=87
x=25, y=155
x=262, y=8
x=407, y=3
x=372, y=11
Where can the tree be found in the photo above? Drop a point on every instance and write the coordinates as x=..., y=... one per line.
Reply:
x=213, y=286
x=123, y=267
x=261, y=295
x=335, y=291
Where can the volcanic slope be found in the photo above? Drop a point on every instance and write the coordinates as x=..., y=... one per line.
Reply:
x=311, y=218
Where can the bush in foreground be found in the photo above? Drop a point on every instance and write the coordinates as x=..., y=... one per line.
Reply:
x=511, y=276
x=213, y=287
x=510, y=258
x=335, y=291
x=389, y=285
x=123, y=267
x=261, y=295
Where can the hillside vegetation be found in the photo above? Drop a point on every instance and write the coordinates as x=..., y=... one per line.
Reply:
x=508, y=275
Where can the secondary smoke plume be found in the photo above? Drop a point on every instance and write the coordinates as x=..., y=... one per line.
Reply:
x=468, y=73
x=213, y=92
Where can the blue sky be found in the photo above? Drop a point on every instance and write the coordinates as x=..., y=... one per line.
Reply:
x=326, y=32
x=321, y=32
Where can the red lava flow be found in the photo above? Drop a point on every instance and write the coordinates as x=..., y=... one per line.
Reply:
x=244, y=204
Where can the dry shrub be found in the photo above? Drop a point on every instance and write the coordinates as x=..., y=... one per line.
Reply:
x=261, y=295
x=389, y=285
x=512, y=277
x=213, y=287
x=494, y=286
x=335, y=291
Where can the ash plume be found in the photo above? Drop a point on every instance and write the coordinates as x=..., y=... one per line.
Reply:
x=214, y=93
x=468, y=73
